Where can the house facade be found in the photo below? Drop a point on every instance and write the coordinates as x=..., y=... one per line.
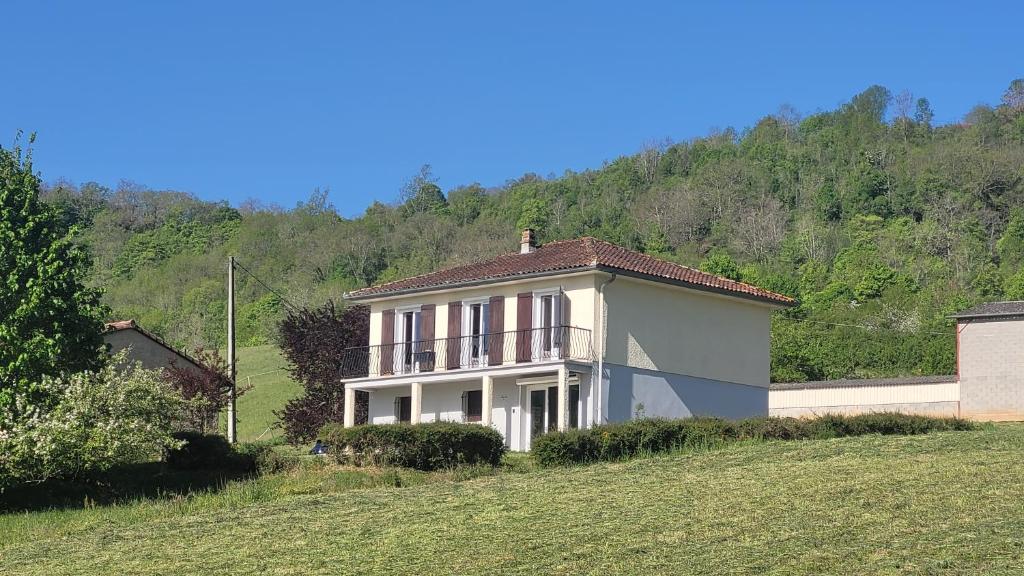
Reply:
x=560, y=336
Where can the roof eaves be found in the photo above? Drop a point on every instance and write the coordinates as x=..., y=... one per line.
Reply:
x=356, y=297
x=697, y=286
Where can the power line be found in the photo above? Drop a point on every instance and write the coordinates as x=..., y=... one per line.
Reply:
x=864, y=326
x=287, y=303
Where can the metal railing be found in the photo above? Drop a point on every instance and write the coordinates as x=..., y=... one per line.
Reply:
x=467, y=352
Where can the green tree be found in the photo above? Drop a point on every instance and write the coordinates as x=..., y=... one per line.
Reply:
x=50, y=322
x=720, y=263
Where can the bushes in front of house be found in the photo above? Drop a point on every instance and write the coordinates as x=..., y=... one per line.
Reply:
x=429, y=446
x=646, y=436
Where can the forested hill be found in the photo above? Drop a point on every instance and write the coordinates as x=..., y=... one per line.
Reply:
x=880, y=222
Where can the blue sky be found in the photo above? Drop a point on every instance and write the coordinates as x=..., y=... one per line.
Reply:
x=249, y=99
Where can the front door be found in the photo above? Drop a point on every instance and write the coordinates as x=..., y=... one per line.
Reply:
x=542, y=412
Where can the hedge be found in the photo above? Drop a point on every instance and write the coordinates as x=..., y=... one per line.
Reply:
x=430, y=446
x=645, y=436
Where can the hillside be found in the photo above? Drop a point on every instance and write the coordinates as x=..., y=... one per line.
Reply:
x=878, y=505
x=880, y=222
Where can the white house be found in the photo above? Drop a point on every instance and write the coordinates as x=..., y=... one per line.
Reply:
x=516, y=342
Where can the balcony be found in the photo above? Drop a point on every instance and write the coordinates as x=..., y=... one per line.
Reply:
x=467, y=352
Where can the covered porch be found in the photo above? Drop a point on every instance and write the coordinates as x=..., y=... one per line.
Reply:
x=520, y=402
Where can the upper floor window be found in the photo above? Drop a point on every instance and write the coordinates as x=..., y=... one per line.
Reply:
x=475, y=326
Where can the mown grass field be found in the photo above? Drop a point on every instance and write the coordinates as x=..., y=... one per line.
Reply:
x=945, y=503
x=265, y=369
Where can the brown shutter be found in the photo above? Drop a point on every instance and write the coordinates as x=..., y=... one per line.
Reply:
x=427, y=348
x=387, y=341
x=496, y=350
x=454, y=340
x=524, y=326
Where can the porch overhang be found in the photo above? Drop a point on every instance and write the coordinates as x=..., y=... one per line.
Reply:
x=468, y=374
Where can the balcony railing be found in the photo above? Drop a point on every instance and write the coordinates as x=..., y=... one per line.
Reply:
x=465, y=352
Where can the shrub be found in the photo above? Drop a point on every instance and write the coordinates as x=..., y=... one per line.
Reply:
x=431, y=446
x=645, y=436
x=199, y=451
x=120, y=414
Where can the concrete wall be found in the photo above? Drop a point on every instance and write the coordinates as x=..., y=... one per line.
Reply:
x=667, y=395
x=579, y=288
x=991, y=365
x=933, y=399
x=706, y=336
x=152, y=355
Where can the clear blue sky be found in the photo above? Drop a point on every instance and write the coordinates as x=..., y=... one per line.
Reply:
x=248, y=99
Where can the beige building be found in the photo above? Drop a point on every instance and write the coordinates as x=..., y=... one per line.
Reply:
x=563, y=335
x=144, y=347
x=990, y=361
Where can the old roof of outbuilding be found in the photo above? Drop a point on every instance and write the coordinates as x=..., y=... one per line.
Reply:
x=993, y=310
x=568, y=256
x=119, y=325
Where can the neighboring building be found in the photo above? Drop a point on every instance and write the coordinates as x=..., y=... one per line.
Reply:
x=515, y=342
x=989, y=384
x=990, y=361
x=144, y=347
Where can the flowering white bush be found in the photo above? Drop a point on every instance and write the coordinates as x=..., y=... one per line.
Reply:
x=119, y=414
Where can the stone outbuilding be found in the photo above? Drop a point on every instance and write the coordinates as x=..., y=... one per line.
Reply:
x=990, y=361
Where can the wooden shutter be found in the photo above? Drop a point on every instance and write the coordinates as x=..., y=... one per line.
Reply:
x=496, y=351
x=387, y=342
x=565, y=338
x=524, y=326
x=427, y=349
x=454, y=340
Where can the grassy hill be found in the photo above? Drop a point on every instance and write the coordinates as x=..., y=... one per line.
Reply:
x=265, y=370
x=943, y=503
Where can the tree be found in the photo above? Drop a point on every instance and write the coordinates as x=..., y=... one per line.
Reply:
x=50, y=322
x=722, y=264
x=923, y=113
x=119, y=414
x=1013, y=98
x=312, y=341
x=422, y=194
x=204, y=390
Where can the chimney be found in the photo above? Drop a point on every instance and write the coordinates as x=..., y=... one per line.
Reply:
x=529, y=242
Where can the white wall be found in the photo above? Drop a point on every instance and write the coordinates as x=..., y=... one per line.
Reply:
x=658, y=327
x=941, y=398
x=143, y=349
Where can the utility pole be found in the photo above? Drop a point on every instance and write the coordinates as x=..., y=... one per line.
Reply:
x=231, y=349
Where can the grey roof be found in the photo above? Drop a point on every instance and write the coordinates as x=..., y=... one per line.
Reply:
x=856, y=383
x=993, y=310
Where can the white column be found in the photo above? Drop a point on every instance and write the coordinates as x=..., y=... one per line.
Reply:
x=416, y=403
x=487, y=401
x=563, y=398
x=350, y=407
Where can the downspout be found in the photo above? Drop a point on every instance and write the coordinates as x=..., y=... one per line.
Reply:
x=599, y=401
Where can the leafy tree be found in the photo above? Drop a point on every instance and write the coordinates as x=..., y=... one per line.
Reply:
x=50, y=321
x=203, y=390
x=312, y=340
x=720, y=263
x=118, y=415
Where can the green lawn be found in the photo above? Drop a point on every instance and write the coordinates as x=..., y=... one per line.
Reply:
x=945, y=503
x=266, y=370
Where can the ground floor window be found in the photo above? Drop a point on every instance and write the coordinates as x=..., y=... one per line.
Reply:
x=574, y=406
x=403, y=408
x=472, y=405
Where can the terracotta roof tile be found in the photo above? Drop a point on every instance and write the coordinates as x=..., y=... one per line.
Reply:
x=569, y=256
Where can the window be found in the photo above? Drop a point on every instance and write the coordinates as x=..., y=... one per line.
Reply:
x=407, y=330
x=472, y=405
x=403, y=408
x=475, y=327
x=547, y=323
x=574, y=406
